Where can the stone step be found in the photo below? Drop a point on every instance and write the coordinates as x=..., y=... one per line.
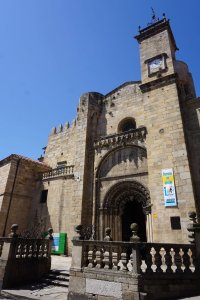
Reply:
x=55, y=282
x=57, y=277
x=64, y=272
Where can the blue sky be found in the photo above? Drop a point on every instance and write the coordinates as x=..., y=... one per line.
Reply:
x=52, y=51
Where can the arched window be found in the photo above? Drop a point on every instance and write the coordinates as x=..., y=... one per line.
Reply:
x=126, y=125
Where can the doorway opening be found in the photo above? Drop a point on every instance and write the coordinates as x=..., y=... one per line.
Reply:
x=133, y=213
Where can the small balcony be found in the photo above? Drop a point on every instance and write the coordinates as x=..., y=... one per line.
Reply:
x=67, y=171
x=133, y=136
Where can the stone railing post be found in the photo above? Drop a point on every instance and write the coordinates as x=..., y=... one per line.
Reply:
x=50, y=238
x=194, y=233
x=3, y=262
x=6, y=262
x=136, y=259
x=77, y=255
x=7, y=256
x=135, y=256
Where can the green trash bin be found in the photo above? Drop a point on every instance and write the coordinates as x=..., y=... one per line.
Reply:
x=59, y=243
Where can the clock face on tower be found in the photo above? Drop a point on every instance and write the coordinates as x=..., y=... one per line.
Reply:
x=156, y=64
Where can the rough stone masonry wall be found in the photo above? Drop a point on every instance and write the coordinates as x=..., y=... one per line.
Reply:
x=156, y=45
x=4, y=196
x=126, y=101
x=68, y=198
x=192, y=131
x=167, y=149
x=21, y=183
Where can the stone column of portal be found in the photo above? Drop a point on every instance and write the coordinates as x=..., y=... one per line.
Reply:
x=119, y=228
x=115, y=237
x=100, y=224
x=105, y=218
x=149, y=228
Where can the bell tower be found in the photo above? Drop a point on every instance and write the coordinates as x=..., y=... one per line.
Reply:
x=157, y=52
x=166, y=141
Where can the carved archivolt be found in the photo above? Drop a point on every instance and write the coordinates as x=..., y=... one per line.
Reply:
x=125, y=191
x=123, y=161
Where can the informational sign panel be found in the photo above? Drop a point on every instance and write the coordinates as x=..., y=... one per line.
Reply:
x=169, y=187
x=58, y=243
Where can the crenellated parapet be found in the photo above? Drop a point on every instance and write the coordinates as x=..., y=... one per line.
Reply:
x=63, y=128
x=88, y=102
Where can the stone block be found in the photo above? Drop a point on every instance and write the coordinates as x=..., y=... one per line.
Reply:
x=104, y=288
x=76, y=296
x=77, y=285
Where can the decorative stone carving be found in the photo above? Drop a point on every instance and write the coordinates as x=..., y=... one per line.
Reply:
x=108, y=234
x=122, y=161
x=128, y=137
x=124, y=191
x=134, y=229
x=14, y=229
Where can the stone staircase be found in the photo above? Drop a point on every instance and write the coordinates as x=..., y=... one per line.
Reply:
x=53, y=286
x=56, y=278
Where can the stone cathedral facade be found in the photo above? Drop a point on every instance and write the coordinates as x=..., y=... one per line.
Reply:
x=106, y=168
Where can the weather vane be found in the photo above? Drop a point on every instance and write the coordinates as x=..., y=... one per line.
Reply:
x=154, y=19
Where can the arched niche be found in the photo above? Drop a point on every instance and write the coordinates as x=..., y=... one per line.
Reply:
x=123, y=161
x=126, y=125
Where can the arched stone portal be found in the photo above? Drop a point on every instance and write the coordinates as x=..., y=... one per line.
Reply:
x=126, y=202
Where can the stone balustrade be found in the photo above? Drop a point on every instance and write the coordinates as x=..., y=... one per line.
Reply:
x=168, y=258
x=134, y=135
x=139, y=258
x=120, y=270
x=23, y=260
x=31, y=248
x=59, y=172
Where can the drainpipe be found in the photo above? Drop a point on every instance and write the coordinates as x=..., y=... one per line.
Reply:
x=11, y=196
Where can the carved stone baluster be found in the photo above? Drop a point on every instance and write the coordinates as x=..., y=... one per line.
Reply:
x=130, y=263
x=186, y=261
x=91, y=258
x=181, y=253
x=106, y=260
x=178, y=262
x=191, y=263
x=114, y=260
x=18, y=252
x=173, y=265
x=99, y=259
x=23, y=252
x=163, y=261
x=124, y=260
x=153, y=253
